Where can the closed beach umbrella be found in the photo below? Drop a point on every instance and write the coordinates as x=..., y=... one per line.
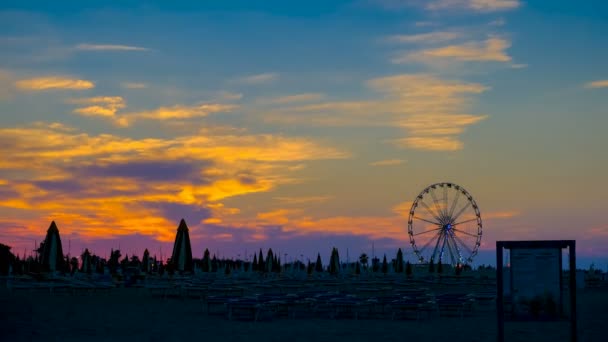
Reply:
x=182, y=252
x=86, y=261
x=145, y=261
x=52, y=253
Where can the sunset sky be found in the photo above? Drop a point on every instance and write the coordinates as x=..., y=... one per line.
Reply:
x=300, y=125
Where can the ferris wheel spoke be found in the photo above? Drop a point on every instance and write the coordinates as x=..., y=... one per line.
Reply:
x=429, y=243
x=426, y=231
x=455, y=244
x=454, y=202
x=463, y=244
x=428, y=209
x=436, y=202
x=428, y=221
x=455, y=217
x=466, y=221
x=463, y=232
x=452, y=254
x=437, y=245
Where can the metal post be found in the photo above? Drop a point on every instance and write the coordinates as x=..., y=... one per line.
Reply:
x=573, y=328
x=500, y=322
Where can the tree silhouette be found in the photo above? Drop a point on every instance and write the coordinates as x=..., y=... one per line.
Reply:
x=384, y=265
x=399, y=262
x=363, y=259
x=261, y=264
x=318, y=264
x=334, y=262
x=206, y=260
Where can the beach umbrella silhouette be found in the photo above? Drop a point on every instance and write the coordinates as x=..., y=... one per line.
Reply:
x=52, y=253
x=182, y=251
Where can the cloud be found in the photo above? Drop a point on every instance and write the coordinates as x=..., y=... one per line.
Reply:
x=258, y=79
x=106, y=106
x=597, y=84
x=177, y=112
x=444, y=5
x=519, y=66
x=108, y=185
x=427, y=38
x=430, y=110
x=305, y=97
x=109, y=47
x=492, y=49
x=53, y=83
x=303, y=200
x=387, y=162
x=431, y=143
x=133, y=85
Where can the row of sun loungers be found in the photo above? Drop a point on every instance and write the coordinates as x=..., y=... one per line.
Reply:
x=262, y=300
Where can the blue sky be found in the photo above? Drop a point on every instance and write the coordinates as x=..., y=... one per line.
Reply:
x=301, y=124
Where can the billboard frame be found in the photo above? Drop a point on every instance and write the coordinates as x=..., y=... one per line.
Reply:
x=535, y=244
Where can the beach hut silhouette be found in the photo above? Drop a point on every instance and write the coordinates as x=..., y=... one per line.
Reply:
x=52, y=254
x=182, y=251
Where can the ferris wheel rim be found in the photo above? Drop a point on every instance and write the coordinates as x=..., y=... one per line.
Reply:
x=445, y=220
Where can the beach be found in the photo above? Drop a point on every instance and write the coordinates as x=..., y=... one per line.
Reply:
x=135, y=314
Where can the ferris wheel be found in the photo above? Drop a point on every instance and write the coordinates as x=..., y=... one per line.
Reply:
x=444, y=225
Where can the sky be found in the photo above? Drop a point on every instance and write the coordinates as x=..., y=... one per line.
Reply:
x=300, y=125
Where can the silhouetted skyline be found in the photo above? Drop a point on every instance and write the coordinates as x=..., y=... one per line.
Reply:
x=300, y=127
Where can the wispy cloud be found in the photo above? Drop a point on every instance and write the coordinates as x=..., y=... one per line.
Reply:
x=133, y=85
x=177, y=112
x=306, y=97
x=519, y=66
x=597, y=84
x=99, y=106
x=258, y=79
x=53, y=83
x=492, y=49
x=427, y=38
x=303, y=200
x=387, y=162
x=444, y=5
x=109, y=47
x=430, y=109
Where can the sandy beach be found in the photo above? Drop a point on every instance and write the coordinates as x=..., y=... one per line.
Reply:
x=134, y=314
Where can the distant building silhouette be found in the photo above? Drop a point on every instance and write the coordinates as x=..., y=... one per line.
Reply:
x=182, y=251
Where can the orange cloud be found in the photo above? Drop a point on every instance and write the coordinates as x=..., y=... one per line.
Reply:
x=429, y=108
x=53, y=83
x=597, y=84
x=106, y=185
x=99, y=106
x=387, y=162
x=492, y=49
x=177, y=112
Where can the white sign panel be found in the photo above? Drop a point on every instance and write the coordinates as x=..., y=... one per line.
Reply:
x=535, y=272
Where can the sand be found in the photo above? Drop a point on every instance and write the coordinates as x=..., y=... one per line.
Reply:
x=134, y=315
